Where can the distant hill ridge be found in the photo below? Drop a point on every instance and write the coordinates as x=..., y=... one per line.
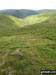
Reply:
x=19, y=13
x=22, y=13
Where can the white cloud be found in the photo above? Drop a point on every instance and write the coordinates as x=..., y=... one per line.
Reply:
x=27, y=4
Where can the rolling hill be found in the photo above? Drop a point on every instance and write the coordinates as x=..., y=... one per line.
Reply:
x=19, y=13
x=8, y=24
x=27, y=45
x=47, y=11
x=11, y=25
x=49, y=17
x=22, y=13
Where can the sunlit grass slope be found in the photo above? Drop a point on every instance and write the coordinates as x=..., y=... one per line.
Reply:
x=8, y=25
x=10, y=20
x=41, y=18
x=37, y=42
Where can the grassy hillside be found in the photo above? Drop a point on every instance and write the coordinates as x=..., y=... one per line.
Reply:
x=50, y=17
x=30, y=48
x=8, y=25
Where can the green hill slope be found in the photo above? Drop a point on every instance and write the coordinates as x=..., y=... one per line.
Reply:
x=8, y=24
x=27, y=49
x=50, y=17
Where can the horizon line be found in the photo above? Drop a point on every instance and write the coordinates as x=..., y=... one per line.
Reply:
x=26, y=9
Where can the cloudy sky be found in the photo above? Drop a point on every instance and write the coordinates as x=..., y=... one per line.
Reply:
x=27, y=4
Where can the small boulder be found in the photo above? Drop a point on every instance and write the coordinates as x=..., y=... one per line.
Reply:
x=17, y=52
x=10, y=73
x=20, y=53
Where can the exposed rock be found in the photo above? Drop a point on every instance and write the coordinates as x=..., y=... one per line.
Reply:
x=20, y=53
x=10, y=73
x=17, y=52
x=33, y=52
